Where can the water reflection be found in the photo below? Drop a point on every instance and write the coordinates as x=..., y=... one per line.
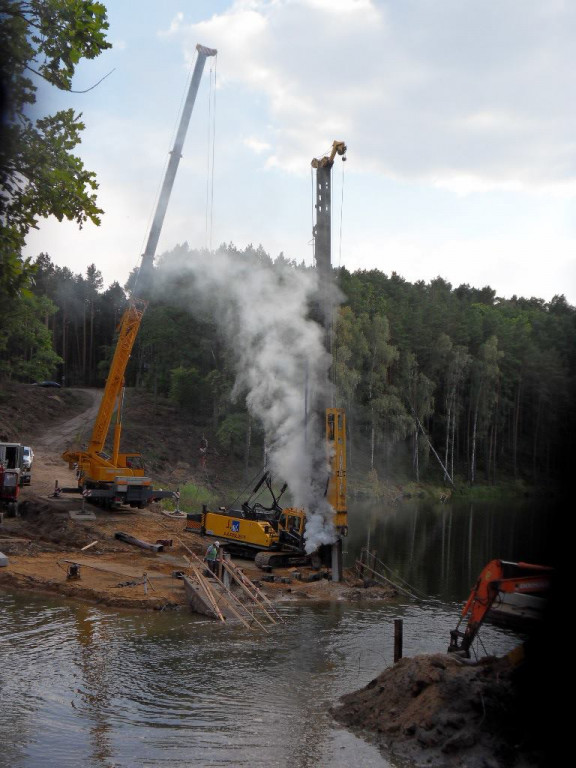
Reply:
x=105, y=689
x=82, y=685
x=93, y=697
x=441, y=548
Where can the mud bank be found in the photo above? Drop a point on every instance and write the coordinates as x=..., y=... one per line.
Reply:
x=441, y=711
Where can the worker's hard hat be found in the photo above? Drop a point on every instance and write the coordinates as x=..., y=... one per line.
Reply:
x=217, y=543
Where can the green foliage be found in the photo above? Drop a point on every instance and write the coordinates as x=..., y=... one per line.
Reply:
x=502, y=374
x=232, y=433
x=83, y=327
x=39, y=175
x=192, y=497
x=437, y=382
x=186, y=388
x=26, y=351
x=170, y=336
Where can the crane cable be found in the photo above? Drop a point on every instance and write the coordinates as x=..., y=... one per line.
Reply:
x=334, y=347
x=312, y=198
x=341, y=220
x=210, y=156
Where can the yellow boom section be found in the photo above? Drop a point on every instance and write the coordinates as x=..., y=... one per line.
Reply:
x=89, y=460
x=336, y=445
x=129, y=326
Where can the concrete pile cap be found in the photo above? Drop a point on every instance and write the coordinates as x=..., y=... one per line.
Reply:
x=80, y=514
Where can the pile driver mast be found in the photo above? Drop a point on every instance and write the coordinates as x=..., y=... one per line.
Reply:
x=335, y=418
x=323, y=229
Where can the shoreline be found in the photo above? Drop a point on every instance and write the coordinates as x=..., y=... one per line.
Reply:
x=49, y=537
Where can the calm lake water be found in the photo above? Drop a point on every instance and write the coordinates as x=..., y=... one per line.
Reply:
x=83, y=685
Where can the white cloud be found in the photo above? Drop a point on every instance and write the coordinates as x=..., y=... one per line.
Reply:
x=175, y=25
x=421, y=90
x=340, y=6
x=256, y=145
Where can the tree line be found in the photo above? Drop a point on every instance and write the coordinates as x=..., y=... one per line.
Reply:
x=437, y=382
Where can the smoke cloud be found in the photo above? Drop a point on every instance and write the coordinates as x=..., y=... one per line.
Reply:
x=262, y=310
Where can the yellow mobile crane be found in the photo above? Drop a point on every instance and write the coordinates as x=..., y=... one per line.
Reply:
x=119, y=478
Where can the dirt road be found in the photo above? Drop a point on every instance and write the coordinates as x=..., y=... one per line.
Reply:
x=75, y=429
x=48, y=466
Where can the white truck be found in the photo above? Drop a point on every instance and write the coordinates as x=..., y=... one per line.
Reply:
x=14, y=456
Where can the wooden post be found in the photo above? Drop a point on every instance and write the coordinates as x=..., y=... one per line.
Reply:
x=361, y=564
x=219, y=567
x=397, y=640
x=226, y=575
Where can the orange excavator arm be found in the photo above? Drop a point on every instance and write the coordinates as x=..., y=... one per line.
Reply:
x=498, y=577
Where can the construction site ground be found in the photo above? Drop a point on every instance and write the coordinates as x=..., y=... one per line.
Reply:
x=435, y=711
x=45, y=540
x=50, y=533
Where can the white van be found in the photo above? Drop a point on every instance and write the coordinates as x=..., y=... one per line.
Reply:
x=27, y=458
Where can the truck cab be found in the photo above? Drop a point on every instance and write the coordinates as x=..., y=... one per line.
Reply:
x=27, y=457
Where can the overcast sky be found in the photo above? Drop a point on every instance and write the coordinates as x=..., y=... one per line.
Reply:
x=459, y=117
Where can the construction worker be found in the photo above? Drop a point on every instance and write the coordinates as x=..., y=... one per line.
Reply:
x=211, y=556
x=203, y=451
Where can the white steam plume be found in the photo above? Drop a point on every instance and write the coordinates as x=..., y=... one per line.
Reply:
x=280, y=360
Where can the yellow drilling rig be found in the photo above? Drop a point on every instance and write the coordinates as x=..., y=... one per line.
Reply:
x=273, y=535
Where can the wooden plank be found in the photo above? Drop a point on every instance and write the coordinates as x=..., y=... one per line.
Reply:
x=232, y=597
x=126, y=570
x=388, y=581
x=197, y=602
x=238, y=580
x=208, y=593
x=259, y=593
